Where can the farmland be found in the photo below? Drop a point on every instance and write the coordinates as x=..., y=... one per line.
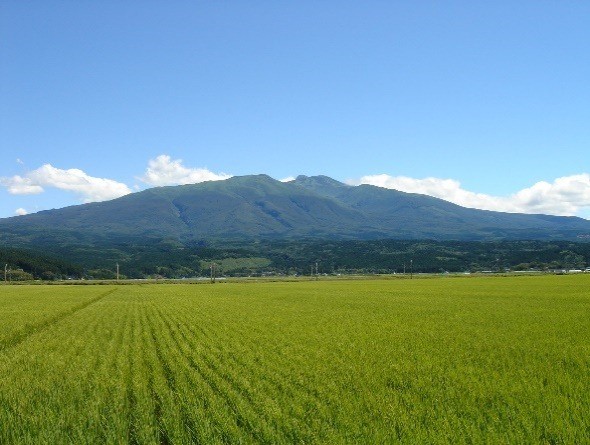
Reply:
x=446, y=360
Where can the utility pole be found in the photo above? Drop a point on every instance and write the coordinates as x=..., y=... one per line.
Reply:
x=117, y=271
x=411, y=269
x=212, y=272
x=5, y=271
x=316, y=271
x=404, y=268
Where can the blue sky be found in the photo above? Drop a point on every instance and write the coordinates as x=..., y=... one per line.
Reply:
x=481, y=103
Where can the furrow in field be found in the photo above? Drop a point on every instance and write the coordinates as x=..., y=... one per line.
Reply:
x=146, y=406
x=154, y=382
x=166, y=414
x=174, y=420
x=282, y=377
x=126, y=408
x=278, y=371
x=209, y=403
x=20, y=337
x=249, y=414
x=55, y=369
x=92, y=400
x=108, y=381
x=268, y=369
x=132, y=434
x=122, y=370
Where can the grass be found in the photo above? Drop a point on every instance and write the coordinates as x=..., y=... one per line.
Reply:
x=233, y=264
x=462, y=360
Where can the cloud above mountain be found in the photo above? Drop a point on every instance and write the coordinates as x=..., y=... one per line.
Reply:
x=160, y=171
x=568, y=195
x=165, y=171
x=89, y=188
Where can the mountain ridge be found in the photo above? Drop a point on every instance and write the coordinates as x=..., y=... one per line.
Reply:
x=260, y=207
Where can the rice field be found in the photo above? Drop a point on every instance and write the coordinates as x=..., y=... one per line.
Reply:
x=446, y=360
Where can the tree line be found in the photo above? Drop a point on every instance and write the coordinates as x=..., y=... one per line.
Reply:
x=173, y=259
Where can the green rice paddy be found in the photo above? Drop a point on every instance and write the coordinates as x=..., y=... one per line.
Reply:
x=445, y=360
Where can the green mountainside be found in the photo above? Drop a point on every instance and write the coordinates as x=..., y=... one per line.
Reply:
x=253, y=224
x=259, y=207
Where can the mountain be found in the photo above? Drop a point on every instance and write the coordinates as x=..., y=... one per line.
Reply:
x=259, y=207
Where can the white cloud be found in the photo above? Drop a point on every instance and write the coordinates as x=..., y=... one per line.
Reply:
x=74, y=180
x=568, y=195
x=288, y=179
x=17, y=185
x=20, y=211
x=164, y=171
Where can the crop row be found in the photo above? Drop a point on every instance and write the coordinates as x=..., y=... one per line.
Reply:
x=434, y=361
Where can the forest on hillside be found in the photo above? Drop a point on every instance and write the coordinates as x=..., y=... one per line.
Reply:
x=24, y=264
x=171, y=259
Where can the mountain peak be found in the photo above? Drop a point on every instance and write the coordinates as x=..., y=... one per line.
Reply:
x=258, y=206
x=318, y=181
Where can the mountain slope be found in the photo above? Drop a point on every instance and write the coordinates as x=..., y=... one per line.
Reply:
x=259, y=207
x=426, y=216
